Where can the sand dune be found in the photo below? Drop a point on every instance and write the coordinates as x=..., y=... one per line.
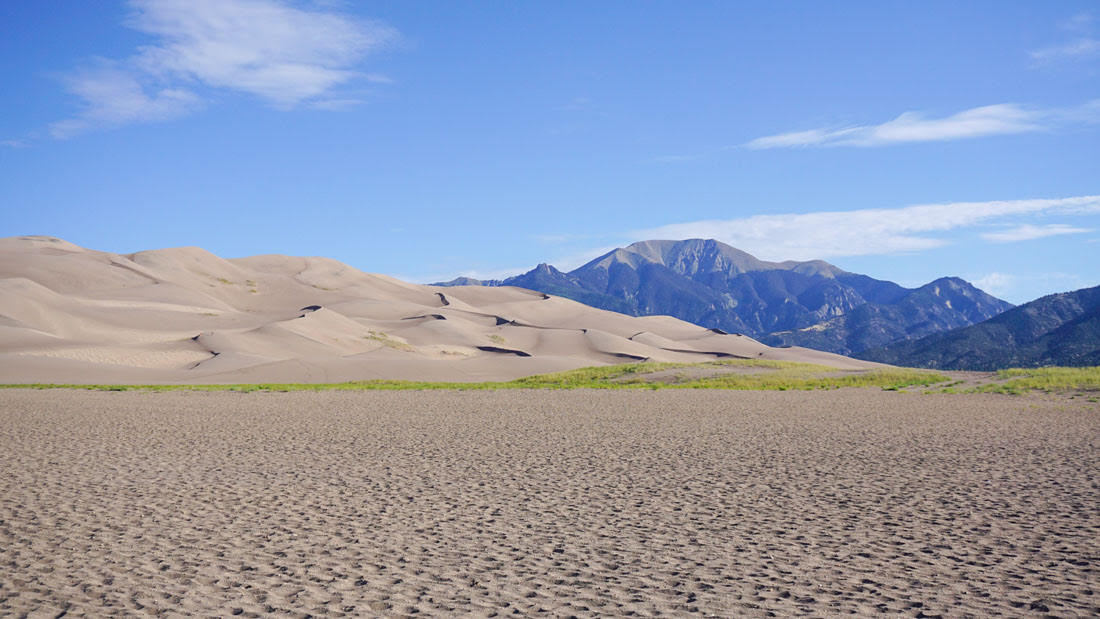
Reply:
x=74, y=315
x=575, y=503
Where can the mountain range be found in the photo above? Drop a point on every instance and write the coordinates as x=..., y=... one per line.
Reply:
x=1058, y=329
x=810, y=304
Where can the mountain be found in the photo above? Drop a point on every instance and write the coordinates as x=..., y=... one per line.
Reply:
x=812, y=304
x=72, y=315
x=944, y=304
x=1059, y=329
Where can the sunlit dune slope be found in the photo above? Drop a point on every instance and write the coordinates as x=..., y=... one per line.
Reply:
x=74, y=315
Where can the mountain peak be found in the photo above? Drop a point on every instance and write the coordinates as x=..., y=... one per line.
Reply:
x=793, y=302
x=693, y=256
x=952, y=281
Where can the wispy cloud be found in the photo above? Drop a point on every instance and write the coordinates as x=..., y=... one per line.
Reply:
x=1079, y=22
x=14, y=143
x=1084, y=46
x=114, y=97
x=996, y=283
x=830, y=234
x=1027, y=232
x=1001, y=119
x=1074, y=50
x=1028, y=286
x=571, y=261
x=566, y=262
x=283, y=55
x=474, y=273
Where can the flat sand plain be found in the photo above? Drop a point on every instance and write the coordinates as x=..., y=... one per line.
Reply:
x=559, y=502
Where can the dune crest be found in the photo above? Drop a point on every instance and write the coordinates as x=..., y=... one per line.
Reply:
x=75, y=315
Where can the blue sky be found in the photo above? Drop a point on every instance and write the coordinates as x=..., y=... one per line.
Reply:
x=425, y=140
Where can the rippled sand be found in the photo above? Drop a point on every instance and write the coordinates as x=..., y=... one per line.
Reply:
x=73, y=315
x=569, y=503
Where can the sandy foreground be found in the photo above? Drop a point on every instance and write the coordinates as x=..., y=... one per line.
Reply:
x=567, y=503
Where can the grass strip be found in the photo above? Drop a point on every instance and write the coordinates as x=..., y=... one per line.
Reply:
x=1016, y=381
x=772, y=376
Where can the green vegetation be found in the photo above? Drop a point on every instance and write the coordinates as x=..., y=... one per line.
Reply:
x=386, y=340
x=739, y=374
x=1049, y=379
x=769, y=376
x=499, y=339
x=803, y=379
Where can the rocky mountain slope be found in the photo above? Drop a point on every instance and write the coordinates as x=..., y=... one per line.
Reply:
x=812, y=304
x=1059, y=329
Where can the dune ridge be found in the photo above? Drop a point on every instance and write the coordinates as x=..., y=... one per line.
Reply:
x=75, y=315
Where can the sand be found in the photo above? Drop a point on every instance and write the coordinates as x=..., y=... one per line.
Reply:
x=536, y=502
x=183, y=315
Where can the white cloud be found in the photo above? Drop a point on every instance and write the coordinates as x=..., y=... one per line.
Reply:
x=995, y=283
x=482, y=274
x=1085, y=114
x=863, y=232
x=1028, y=232
x=336, y=104
x=563, y=263
x=14, y=143
x=1001, y=119
x=279, y=53
x=1082, y=48
x=1079, y=22
x=1024, y=287
x=576, y=259
x=285, y=56
x=1074, y=50
x=114, y=97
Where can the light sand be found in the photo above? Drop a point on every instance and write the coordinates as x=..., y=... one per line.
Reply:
x=569, y=503
x=183, y=315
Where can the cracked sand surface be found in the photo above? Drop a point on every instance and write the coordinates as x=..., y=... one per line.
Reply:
x=564, y=502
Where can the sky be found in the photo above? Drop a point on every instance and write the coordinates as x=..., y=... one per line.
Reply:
x=426, y=140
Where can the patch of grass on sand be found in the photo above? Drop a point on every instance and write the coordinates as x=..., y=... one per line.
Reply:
x=763, y=375
x=386, y=340
x=806, y=379
x=1050, y=379
x=776, y=376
